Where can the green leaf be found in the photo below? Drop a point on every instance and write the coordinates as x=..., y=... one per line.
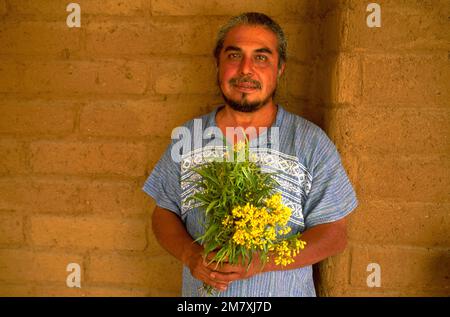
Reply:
x=211, y=206
x=211, y=247
x=205, y=174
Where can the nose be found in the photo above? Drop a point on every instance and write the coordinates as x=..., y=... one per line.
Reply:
x=246, y=66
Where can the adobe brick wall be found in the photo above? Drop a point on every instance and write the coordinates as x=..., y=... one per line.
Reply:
x=85, y=113
x=388, y=112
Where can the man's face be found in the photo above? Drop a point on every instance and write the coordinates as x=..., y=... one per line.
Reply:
x=248, y=67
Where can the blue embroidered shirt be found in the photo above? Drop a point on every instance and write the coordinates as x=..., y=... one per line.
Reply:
x=312, y=181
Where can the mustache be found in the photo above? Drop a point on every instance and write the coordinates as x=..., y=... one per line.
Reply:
x=240, y=80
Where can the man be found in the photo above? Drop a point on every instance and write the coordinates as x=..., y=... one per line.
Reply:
x=251, y=55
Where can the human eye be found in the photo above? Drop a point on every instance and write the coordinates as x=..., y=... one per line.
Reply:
x=234, y=55
x=261, y=58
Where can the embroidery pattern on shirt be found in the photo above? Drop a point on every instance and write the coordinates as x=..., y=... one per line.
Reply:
x=294, y=179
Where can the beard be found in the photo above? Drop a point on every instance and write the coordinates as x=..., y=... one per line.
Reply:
x=244, y=105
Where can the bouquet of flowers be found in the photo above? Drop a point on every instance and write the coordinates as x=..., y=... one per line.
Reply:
x=244, y=214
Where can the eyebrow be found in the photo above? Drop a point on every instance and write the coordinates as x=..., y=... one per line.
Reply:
x=264, y=50
x=259, y=50
x=232, y=48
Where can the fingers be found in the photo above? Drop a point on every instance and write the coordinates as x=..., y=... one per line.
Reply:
x=225, y=277
x=218, y=275
x=199, y=267
x=217, y=284
x=220, y=286
x=227, y=272
x=203, y=273
x=227, y=268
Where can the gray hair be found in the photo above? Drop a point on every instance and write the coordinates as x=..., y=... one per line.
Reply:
x=252, y=18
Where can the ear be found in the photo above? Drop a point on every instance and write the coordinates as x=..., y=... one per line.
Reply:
x=281, y=70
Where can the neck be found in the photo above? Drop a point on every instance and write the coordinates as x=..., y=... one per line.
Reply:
x=261, y=118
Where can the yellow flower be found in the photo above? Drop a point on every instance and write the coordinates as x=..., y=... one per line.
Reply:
x=239, y=237
x=274, y=202
x=260, y=228
x=227, y=221
x=239, y=146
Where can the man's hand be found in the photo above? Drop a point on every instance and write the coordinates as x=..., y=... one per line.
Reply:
x=323, y=241
x=172, y=235
x=227, y=272
x=198, y=265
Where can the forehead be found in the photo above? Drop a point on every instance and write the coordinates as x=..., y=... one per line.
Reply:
x=250, y=36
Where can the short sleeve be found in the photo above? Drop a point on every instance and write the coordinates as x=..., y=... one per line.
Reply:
x=332, y=196
x=163, y=184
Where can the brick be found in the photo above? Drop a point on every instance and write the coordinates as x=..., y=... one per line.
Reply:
x=72, y=197
x=215, y=23
x=303, y=108
x=342, y=72
x=154, y=37
x=415, y=6
x=91, y=232
x=404, y=292
x=184, y=76
x=162, y=293
x=36, y=117
x=116, y=198
x=302, y=40
x=327, y=7
x=11, y=228
x=88, y=158
x=162, y=273
x=10, y=76
x=232, y=7
x=135, y=118
x=13, y=158
x=397, y=222
x=82, y=77
x=115, y=7
x=347, y=74
x=21, y=290
x=30, y=7
x=321, y=72
x=89, y=291
x=295, y=81
x=118, y=38
x=350, y=162
x=412, y=178
x=3, y=9
x=155, y=149
x=411, y=25
x=406, y=79
x=402, y=267
x=57, y=9
x=23, y=265
x=119, y=269
x=41, y=195
x=332, y=274
x=331, y=28
x=393, y=129
x=16, y=290
x=38, y=38
x=179, y=36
